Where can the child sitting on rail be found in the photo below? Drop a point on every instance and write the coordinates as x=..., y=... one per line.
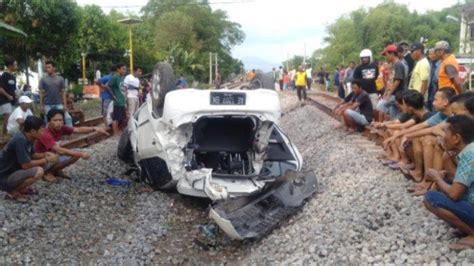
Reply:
x=48, y=142
x=19, y=166
x=454, y=201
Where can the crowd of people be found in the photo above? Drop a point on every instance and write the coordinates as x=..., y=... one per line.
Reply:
x=416, y=103
x=414, y=100
x=35, y=149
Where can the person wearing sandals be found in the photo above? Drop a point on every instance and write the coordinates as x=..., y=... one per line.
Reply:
x=19, y=166
x=453, y=202
x=425, y=132
x=49, y=142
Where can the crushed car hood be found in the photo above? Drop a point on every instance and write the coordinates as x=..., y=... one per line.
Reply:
x=188, y=105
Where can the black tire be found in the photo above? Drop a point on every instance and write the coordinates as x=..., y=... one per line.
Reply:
x=163, y=81
x=264, y=81
x=154, y=172
x=124, y=148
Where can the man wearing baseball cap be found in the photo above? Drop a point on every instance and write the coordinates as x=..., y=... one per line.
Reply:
x=448, y=76
x=396, y=83
x=17, y=118
x=421, y=73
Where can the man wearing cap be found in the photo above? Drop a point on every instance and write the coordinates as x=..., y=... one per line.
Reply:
x=18, y=117
x=449, y=69
x=396, y=83
x=421, y=73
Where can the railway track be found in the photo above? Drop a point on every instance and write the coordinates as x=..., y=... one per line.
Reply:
x=83, y=140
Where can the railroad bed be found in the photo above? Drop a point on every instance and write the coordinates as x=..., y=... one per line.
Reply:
x=361, y=215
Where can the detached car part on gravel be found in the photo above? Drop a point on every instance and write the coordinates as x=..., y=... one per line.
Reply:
x=223, y=145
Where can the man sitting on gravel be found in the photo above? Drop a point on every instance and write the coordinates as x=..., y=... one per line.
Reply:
x=359, y=112
x=454, y=202
x=413, y=113
x=19, y=166
x=48, y=142
x=426, y=133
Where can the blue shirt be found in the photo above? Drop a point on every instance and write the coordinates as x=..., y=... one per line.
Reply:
x=436, y=119
x=104, y=94
x=465, y=172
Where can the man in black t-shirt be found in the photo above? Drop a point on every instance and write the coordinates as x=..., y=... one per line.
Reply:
x=19, y=166
x=367, y=73
x=359, y=113
x=397, y=83
x=7, y=91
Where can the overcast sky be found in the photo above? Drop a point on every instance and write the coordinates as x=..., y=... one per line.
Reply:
x=277, y=28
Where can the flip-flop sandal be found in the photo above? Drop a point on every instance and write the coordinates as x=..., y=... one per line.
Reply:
x=30, y=191
x=419, y=193
x=460, y=246
x=17, y=197
x=387, y=162
x=394, y=166
x=63, y=175
x=49, y=178
x=407, y=167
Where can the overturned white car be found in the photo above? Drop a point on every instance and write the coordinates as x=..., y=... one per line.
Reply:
x=221, y=144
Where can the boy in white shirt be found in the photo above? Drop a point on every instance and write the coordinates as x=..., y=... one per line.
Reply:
x=17, y=118
x=132, y=85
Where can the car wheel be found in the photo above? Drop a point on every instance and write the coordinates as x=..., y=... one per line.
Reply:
x=155, y=173
x=163, y=81
x=124, y=149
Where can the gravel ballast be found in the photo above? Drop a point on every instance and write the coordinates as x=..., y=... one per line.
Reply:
x=361, y=214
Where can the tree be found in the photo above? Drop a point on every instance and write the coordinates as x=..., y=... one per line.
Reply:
x=50, y=24
x=388, y=22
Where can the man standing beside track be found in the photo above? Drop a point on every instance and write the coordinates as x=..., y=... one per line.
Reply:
x=300, y=83
x=367, y=73
x=53, y=92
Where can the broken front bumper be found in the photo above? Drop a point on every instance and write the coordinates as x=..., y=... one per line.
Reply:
x=257, y=215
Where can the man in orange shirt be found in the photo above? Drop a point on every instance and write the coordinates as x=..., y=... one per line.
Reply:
x=449, y=70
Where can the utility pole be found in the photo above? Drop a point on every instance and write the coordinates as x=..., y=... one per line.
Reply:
x=217, y=66
x=210, y=68
x=304, y=58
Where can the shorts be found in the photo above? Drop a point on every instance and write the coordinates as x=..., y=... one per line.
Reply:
x=374, y=98
x=388, y=107
x=119, y=114
x=6, y=108
x=17, y=178
x=357, y=117
x=62, y=159
x=105, y=106
x=462, y=209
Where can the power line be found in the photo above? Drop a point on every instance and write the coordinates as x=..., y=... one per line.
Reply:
x=208, y=3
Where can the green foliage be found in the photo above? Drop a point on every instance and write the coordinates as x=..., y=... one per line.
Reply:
x=388, y=22
x=185, y=30
x=51, y=26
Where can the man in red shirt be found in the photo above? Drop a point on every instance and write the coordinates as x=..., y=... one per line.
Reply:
x=48, y=142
